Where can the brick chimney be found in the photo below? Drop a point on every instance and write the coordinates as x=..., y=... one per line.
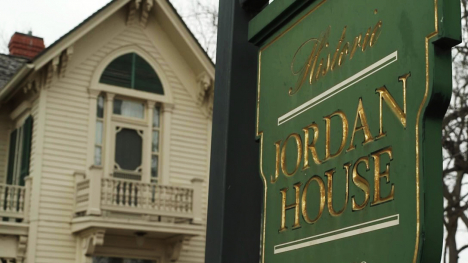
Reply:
x=25, y=45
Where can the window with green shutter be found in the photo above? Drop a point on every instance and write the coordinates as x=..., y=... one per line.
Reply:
x=133, y=72
x=19, y=153
x=26, y=149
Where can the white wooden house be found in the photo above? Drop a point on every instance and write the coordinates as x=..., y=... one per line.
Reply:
x=105, y=142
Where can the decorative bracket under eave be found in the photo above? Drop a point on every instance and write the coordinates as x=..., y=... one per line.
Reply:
x=148, y=4
x=21, y=252
x=174, y=247
x=34, y=85
x=31, y=87
x=90, y=240
x=58, y=65
x=65, y=58
x=133, y=11
x=205, y=94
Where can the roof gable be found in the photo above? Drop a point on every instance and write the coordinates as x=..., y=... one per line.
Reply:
x=50, y=56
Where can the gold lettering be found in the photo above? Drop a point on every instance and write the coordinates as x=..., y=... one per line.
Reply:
x=298, y=140
x=361, y=183
x=361, y=115
x=392, y=104
x=277, y=166
x=375, y=33
x=305, y=68
x=311, y=146
x=327, y=67
x=338, y=49
x=357, y=41
x=322, y=44
x=366, y=41
x=329, y=175
x=321, y=185
x=311, y=62
x=343, y=54
x=377, y=175
x=295, y=206
x=330, y=63
x=344, y=121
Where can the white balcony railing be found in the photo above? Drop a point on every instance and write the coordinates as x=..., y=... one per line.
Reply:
x=94, y=195
x=118, y=194
x=14, y=200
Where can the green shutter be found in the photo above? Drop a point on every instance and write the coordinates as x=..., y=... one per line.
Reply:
x=26, y=150
x=146, y=78
x=133, y=72
x=119, y=72
x=11, y=157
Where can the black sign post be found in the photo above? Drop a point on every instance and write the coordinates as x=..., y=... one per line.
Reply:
x=235, y=192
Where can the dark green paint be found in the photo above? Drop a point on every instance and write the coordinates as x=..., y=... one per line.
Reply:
x=11, y=156
x=133, y=72
x=405, y=26
x=26, y=151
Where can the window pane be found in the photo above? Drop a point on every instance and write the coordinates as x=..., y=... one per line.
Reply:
x=97, y=155
x=154, y=166
x=99, y=130
x=100, y=107
x=128, y=149
x=156, y=117
x=155, y=141
x=146, y=78
x=119, y=72
x=129, y=108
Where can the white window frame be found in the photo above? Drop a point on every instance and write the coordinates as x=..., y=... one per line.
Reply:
x=164, y=102
x=113, y=134
x=18, y=117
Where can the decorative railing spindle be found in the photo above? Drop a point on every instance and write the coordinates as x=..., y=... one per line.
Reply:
x=8, y=200
x=21, y=200
x=2, y=197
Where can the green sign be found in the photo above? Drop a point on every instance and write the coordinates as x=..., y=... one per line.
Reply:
x=351, y=96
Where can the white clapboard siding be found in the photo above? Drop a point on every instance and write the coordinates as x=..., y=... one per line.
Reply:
x=64, y=152
x=35, y=116
x=65, y=148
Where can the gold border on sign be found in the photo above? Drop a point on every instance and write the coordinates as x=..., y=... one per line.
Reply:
x=426, y=93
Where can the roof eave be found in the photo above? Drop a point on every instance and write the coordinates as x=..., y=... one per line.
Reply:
x=82, y=29
x=16, y=80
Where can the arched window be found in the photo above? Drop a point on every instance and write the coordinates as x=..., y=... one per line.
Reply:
x=133, y=72
x=128, y=126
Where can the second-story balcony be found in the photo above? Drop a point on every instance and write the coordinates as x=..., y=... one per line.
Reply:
x=130, y=205
x=14, y=217
x=12, y=201
x=14, y=208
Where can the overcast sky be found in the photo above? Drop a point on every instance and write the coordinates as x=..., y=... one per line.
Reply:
x=51, y=19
